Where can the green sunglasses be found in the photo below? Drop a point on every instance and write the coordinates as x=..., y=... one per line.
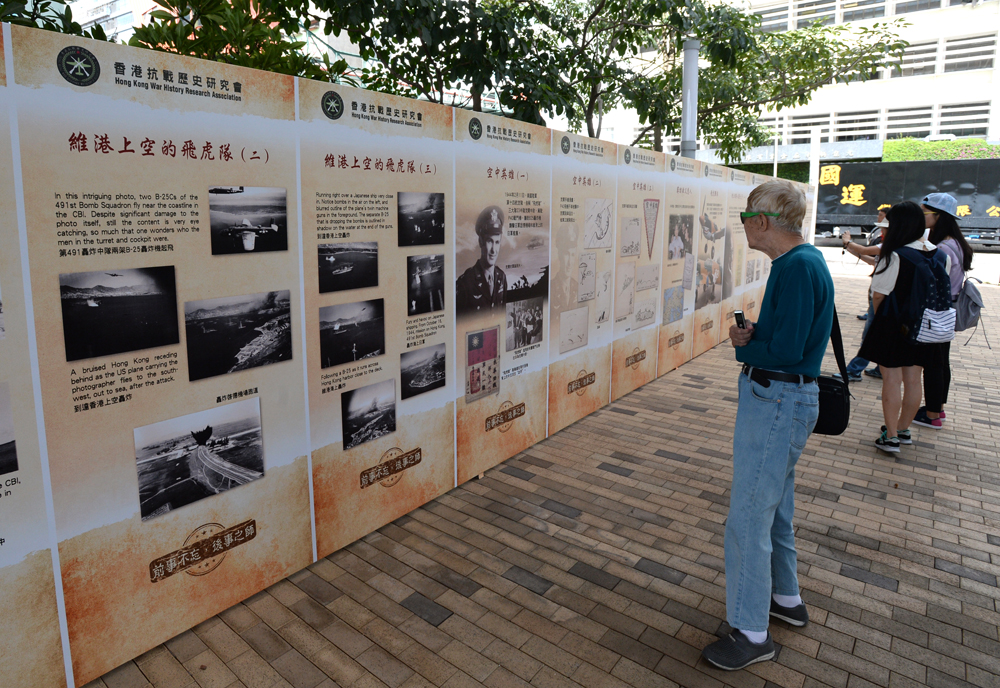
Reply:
x=744, y=216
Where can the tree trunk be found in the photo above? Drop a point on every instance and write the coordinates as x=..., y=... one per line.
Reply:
x=658, y=137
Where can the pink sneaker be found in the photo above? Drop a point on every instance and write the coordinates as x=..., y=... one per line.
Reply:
x=926, y=421
x=942, y=415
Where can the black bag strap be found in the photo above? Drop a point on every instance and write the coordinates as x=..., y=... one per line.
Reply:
x=838, y=350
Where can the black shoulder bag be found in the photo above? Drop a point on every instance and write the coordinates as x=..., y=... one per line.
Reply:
x=834, y=395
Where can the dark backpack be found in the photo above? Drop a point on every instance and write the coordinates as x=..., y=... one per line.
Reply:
x=928, y=316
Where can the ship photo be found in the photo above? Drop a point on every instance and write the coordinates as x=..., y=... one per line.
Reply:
x=352, y=265
x=234, y=333
x=248, y=219
x=107, y=313
x=350, y=332
x=421, y=371
x=8, y=447
x=186, y=459
x=420, y=218
x=368, y=412
x=424, y=284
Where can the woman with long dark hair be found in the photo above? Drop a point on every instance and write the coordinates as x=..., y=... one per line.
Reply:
x=886, y=343
x=939, y=216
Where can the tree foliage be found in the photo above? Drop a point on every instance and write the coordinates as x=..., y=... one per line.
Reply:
x=48, y=15
x=238, y=32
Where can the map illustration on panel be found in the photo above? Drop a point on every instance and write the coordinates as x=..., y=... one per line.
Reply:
x=597, y=226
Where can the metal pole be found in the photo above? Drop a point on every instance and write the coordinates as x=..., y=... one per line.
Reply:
x=776, y=135
x=689, y=101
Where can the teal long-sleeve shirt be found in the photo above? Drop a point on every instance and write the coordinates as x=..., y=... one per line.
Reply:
x=796, y=315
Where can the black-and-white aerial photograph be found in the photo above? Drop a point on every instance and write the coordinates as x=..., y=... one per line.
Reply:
x=248, y=219
x=349, y=332
x=368, y=412
x=422, y=370
x=8, y=448
x=424, y=284
x=353, y=265
x=186, y=459
x=235, y=333
x=420, y=218
x=114, y=311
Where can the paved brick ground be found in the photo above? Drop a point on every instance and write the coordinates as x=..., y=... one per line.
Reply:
x=594, y=559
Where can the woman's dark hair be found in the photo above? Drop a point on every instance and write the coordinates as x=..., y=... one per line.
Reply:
x=906, y=224
x=947, y=228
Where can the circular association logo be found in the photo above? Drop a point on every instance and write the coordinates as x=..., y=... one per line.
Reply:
x=389, y=456
x=78, y=66
x=203, y=533
x=503, y=407
x=706, y=170
x=628, y=156
x=732, y=175
x=332, y=104
x=673, y=164
x=635, y=365
x=475, y=128
x=582, y=390
x=564, y=144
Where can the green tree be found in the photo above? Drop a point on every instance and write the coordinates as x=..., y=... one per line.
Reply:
x=239, y=32
x=48, y=15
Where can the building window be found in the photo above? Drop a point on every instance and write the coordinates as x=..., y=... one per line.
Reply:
x=917, y=6
x=966, y=119
x=801, y=126
x=863, y=9
x=918, y=58
x=808, y=12
x=972, y=52
x=857, y=126
x=908, y=122
x=773, y=18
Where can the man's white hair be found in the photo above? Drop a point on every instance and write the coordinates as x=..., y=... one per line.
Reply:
x=780, y=196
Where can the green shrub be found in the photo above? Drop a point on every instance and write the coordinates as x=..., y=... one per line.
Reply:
x=901, y=150
x=795, y=171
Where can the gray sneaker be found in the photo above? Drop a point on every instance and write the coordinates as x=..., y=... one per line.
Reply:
x=735, y=651
x=796, y=616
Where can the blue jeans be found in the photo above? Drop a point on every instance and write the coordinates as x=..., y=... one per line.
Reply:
x=772, y=426
x=858, y=364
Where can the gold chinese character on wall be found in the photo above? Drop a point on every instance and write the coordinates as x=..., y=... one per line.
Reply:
x=829, y=174
x=854, y=194
x=993, y=211
x=963, y=210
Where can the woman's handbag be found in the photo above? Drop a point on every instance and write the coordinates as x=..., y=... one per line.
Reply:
x=834, y=395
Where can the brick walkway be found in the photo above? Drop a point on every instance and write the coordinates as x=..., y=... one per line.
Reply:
x=595, y=559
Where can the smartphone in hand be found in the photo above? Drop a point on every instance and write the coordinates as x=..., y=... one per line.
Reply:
x=741, y=322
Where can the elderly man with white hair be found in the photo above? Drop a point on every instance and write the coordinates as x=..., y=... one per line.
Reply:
x=778, y=407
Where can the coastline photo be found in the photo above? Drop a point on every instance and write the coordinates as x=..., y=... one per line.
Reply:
x=234, y=333
x=424, y=284
x=349, y=332
x=116, y=311
x=368, y=412
x=421, y=371
x=248, y=219
x=353, y=265
x=420, y=218
x=8, y=448
x=186, y=459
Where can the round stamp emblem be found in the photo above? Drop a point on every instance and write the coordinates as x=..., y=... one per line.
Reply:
x=628, y=156
x=564, y=145
x=389, y=456
x=475, y=128
x=78, y=65
x=503, y=407
x=706, y=170
x=673, y=164
x=203, y=533
x=583, y=390
x=635, y=354
x=677, y=340
x=332, y=104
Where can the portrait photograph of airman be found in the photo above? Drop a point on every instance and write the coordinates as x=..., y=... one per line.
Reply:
x=481, y=288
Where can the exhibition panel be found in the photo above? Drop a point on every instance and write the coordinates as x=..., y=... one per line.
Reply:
x=247, y=319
